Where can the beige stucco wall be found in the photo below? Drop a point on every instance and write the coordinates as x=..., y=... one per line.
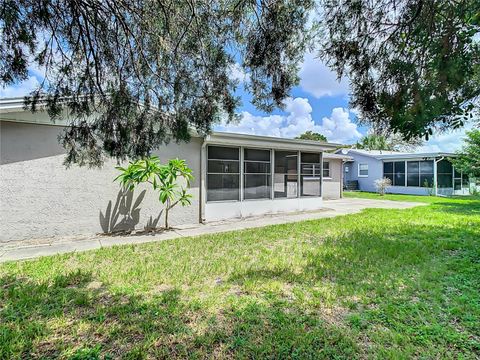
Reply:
x=332, y=187
x=40, y=198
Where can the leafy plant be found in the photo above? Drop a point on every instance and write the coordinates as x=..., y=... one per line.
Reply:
x=382, y=185
x=473, y=190
x=164, y=178
x=430, y=188
x=468, y=158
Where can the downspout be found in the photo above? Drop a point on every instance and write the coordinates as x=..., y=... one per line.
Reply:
x=435, y=177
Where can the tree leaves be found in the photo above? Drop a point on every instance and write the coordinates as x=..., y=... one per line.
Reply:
x=412, y=64
x=134, y=75
x=468, y=160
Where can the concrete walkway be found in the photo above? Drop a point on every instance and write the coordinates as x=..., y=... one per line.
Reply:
x=28, y=249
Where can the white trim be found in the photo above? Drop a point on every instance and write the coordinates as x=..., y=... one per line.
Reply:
x=254, y=141
x=299, y=173
x=241, y=209
x=329, y=173
x=368, y=170
x=390, y=155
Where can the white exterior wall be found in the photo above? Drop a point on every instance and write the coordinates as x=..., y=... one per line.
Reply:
x=408, y=190
x=332, y=187
x=41, y=198
x=240, y=209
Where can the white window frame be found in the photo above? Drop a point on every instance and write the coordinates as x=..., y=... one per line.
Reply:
x=329, y=170
x=362, y=176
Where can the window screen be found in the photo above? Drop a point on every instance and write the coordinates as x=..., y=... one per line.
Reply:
x=399, y=173
x=285, y=176
x=257, y=177
x=388, y=170
x=326, y=169
x=426, y=173
x=444, y=174
x=310, y=184
x=413, y=171
x=223, y=173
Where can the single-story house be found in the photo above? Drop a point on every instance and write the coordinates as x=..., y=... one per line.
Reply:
x=235, y=176
x=423, y=173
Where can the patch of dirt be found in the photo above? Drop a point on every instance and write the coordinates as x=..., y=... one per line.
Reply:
x=94, y=285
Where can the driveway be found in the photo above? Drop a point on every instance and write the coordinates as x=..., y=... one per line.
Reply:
x=43, y=247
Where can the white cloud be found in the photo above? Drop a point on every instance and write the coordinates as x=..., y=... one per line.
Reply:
x=337, y=128
x=238, y=73
x=446, y=142
x=318, y=80
x=21, y=89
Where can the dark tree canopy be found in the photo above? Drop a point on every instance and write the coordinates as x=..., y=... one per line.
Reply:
x=309, y=135
x=135, y=74
x=413, y=65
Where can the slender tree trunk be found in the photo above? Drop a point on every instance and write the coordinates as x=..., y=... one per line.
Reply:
x=166, y=218
x=167, y=208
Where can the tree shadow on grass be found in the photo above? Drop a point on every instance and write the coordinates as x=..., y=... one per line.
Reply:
x=74, y=316
x=390, y=279
x=458, y=208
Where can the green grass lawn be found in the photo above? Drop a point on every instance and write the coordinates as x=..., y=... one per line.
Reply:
x=379, y=284
x=399, y=197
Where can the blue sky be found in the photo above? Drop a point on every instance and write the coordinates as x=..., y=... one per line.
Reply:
x=319, y=104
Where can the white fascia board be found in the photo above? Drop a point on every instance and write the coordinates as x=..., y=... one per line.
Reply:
x=337, y=156
x=11, y=104
x=418, y=156
x=234, y=139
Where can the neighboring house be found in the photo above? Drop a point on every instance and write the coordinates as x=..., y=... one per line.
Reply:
x=410, y=173
x=235, y=176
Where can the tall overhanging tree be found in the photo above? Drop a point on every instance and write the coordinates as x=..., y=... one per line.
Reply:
x=413, y=65
x=137, y=74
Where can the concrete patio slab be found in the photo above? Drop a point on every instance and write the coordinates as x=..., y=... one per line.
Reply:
x=33, y=248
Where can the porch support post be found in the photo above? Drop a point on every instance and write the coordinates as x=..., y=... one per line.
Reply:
x=242, y=177
x=298, y=173
x=202, y=189
x=321, y=176
x=272, y=174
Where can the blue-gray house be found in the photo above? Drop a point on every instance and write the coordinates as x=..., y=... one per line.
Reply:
x=410, y=173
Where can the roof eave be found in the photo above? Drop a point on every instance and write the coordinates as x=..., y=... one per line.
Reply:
x=224, y=138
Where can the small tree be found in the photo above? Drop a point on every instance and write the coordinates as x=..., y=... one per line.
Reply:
x=309, y=135
x=468, y=159
x=382, y=185
x=163, y=178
